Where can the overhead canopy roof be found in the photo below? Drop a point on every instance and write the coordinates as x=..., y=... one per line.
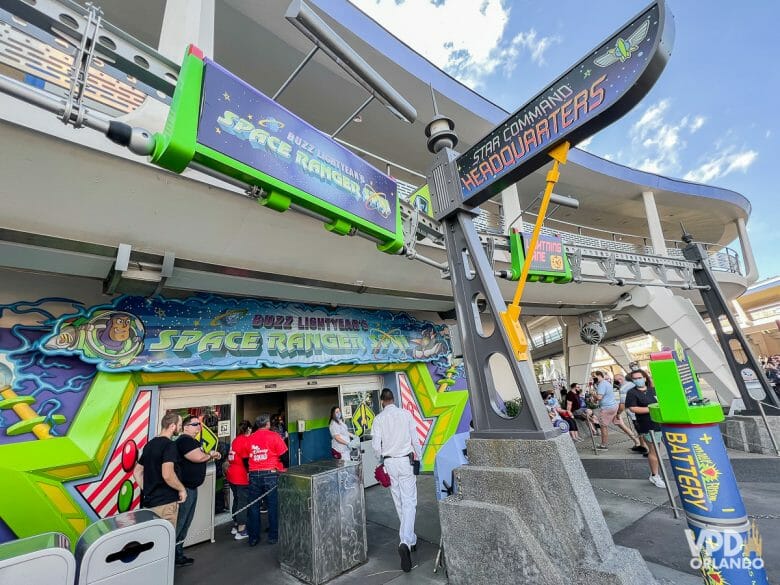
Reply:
x=253, y=40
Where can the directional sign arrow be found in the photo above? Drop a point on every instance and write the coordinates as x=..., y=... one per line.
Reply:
x=601, y=88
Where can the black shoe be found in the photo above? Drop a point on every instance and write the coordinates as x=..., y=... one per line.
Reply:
x=414, y=548
x=184, y=561
x=406, y=557
x=272, y=541
x=639, y=449
x=254, y=542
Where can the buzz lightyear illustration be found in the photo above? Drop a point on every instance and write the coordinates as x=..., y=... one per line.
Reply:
x=112, y=336
x=428, y=344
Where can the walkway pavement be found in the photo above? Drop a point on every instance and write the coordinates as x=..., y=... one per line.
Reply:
x=636, y=512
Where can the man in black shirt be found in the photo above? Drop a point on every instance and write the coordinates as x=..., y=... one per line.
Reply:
x=638, y=399
x=192, y=462
x=155, y=472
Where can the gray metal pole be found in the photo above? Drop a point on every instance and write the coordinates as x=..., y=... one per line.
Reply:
x=471, y=275
x=669, y=493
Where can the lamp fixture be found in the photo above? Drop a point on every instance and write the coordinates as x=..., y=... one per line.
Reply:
x=308, y=22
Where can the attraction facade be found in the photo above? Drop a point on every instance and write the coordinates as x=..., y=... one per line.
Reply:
x=136, y=284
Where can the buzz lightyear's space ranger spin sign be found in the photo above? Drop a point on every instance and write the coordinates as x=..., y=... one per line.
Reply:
x=216, y=333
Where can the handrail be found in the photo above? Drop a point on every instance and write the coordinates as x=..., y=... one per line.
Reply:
x=721, y=258
x=675, y=243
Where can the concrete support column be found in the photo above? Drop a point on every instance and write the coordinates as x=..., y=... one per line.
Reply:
x=185, y=22
x=749, y=261
x=654, y=224
x=670, y=318
x=510, y=201
x=619, y=352
x=579, y=355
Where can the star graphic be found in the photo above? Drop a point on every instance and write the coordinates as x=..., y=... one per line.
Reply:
x=36, y=471
x=705, y=438
x=586, y=73
x=217, y=130
x=226, y=95
x=249, y=117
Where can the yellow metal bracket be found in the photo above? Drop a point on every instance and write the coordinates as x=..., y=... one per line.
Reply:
x=511, y=317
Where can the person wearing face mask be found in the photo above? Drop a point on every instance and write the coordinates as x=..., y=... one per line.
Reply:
x=638, y=399
x=339, y=434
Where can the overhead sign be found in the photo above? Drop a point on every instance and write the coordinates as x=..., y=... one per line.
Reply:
x=549, y=262
x=598, y=90
x=208, y=332
x=221, y=122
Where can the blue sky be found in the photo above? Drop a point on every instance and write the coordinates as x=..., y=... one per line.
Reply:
x=711, y=117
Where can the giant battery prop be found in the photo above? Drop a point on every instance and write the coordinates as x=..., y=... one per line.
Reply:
x=219, y=123
x=728, y=545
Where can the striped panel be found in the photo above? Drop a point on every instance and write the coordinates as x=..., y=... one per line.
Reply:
x=409, y=402
x=102, y=495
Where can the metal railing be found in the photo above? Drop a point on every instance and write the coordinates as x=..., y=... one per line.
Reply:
x=721, y=258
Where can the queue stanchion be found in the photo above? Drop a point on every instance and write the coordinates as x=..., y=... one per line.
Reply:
x=725, y=546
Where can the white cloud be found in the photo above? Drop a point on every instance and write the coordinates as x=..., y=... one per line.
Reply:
x=656, y=141
x=585, y=143
x=697, y=123
x=462, y=37
x=721, y=164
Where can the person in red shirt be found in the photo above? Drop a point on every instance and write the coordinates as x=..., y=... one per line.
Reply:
x=265, y=449
x=237, y=475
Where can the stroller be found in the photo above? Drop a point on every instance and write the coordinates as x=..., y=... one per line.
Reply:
x=557, y=420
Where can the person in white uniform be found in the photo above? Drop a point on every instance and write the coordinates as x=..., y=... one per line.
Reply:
x=396, y=445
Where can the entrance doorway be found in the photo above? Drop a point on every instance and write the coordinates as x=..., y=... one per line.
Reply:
x=303, y=404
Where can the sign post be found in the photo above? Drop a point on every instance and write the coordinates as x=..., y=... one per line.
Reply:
x=595, y=92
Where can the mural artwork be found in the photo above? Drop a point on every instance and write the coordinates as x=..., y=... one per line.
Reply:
x=78, y=385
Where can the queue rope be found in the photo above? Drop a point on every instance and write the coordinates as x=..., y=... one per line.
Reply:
x=735, y=439
x=647, y=502
x=232, y=515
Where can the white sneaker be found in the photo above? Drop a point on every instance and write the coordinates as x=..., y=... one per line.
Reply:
x=657, y=481
x=234, y=530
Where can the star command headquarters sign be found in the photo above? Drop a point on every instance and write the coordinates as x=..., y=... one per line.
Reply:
x=598, y=90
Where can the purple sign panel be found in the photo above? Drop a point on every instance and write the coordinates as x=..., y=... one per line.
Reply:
x=243, y=124
x=206, y=333
x=594, y=93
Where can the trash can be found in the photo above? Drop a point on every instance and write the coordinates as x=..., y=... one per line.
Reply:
x=322, y=520
x=128, y=549
x=43, y=559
